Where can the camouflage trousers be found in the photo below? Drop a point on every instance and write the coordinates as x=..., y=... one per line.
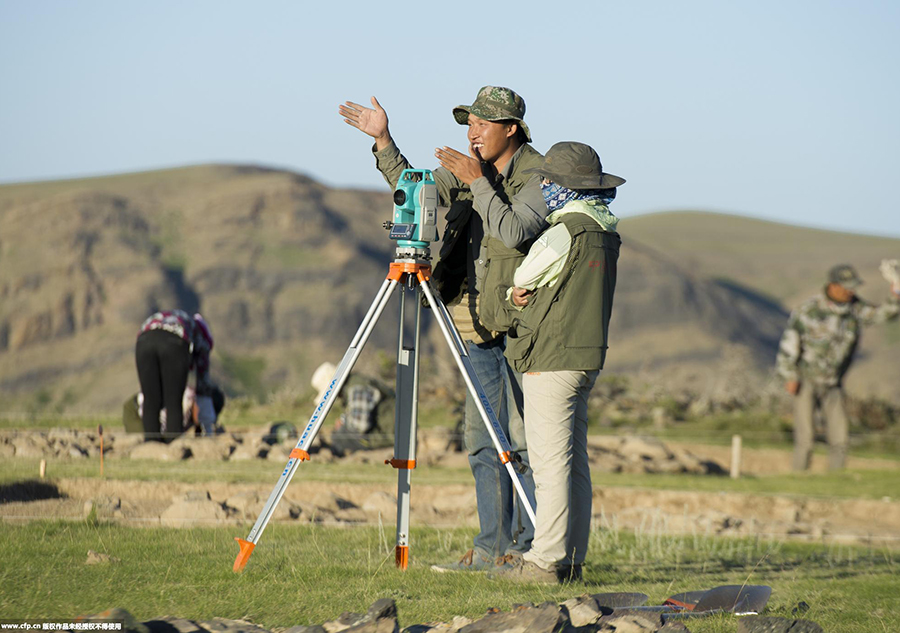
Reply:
x=813, y=400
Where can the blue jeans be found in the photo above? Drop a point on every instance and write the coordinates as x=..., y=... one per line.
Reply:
x=505, y=528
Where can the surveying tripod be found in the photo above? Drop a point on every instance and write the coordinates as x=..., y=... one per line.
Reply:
x=410, y=269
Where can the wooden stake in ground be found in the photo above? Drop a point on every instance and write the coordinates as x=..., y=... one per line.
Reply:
x=43, y=468
x=735, y=456
x=100, y=431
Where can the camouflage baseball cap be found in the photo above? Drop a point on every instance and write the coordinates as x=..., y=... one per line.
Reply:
x=575, y=166
x=844, y=275
x=494, y=103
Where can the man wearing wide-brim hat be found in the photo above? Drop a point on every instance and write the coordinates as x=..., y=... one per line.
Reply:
x=495, y=210
x=559, y=309
x=816, y=351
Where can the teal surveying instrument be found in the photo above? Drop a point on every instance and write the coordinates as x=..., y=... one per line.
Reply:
x=415, y=209
x=414, y=227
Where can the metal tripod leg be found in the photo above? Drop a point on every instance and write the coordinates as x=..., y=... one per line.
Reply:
x=461, y=355
x=300, y=452
x=407, y=406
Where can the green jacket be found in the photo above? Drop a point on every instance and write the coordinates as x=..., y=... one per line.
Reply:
x=490, y=225
x=565, y=326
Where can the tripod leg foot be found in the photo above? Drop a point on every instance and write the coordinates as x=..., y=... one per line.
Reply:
x=244, y=555
x=401, y=556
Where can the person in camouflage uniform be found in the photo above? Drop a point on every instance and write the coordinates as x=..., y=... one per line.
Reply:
x=815, y=353
x=495, y=213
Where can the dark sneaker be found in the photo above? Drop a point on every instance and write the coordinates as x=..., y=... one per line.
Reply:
x=569, y=573
x=471, y=561
x=524, y=571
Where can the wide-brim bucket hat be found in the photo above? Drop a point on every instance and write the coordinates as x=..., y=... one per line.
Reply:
x=495, y=103
x=321, y=379
x=575, y=166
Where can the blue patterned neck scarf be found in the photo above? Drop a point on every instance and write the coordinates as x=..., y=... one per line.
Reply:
x=556, y=196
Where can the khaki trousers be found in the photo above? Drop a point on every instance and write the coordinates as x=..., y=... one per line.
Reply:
x=556, y=431
x=830, y=402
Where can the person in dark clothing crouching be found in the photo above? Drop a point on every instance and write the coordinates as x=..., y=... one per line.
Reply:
x=169, y=346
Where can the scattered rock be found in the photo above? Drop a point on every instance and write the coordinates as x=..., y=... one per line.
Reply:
x=631, y=621
x=27, y=446
x=802, y=607
x=97, y=558
x=279, y=453
x=123, y=443
x=327, y=500
x=644, y=448
x=76, y=452
x=584, y=610
x=380, y=618
x=158, y=451
x=103, y=507
x=171, y=625
x=194, y=508
x=674, y=626
x=764, y=624
x=383, y=503
x=7, y=450
x=246, y=451
x=458, y=622
x=246, y=504
x=607, y=454
x=222, y=625
x=214, y=448
x=546, y=618
x=454, y=503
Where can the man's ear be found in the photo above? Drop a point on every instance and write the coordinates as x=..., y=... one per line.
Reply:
x=512, y=129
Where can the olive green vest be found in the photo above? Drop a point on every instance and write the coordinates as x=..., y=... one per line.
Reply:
x=565, y=326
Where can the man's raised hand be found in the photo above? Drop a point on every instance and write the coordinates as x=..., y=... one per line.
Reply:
x=466, y=168
x=372, y=121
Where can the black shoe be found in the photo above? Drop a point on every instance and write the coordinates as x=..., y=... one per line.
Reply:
x=569, y=573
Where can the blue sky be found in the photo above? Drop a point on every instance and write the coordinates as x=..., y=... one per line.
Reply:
x=786, y=110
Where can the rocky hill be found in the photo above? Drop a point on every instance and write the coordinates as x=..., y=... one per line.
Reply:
x=284, y=269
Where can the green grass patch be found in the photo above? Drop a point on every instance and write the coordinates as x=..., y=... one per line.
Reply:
x=255, y=471
x=309, y=575
x=43, y=422
x=862, y=484
x=758, y=429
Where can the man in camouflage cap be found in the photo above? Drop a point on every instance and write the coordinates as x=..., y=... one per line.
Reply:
x=816, y=351
x=495, y=212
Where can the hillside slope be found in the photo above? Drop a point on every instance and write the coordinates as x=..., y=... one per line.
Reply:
x=786, y=265
x=284, y=269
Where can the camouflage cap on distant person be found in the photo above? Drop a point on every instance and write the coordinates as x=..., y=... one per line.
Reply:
x=844, y=275
x=494, y=103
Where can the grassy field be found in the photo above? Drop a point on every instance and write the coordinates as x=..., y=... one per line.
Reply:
x=850, y=484
x=307, y=575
